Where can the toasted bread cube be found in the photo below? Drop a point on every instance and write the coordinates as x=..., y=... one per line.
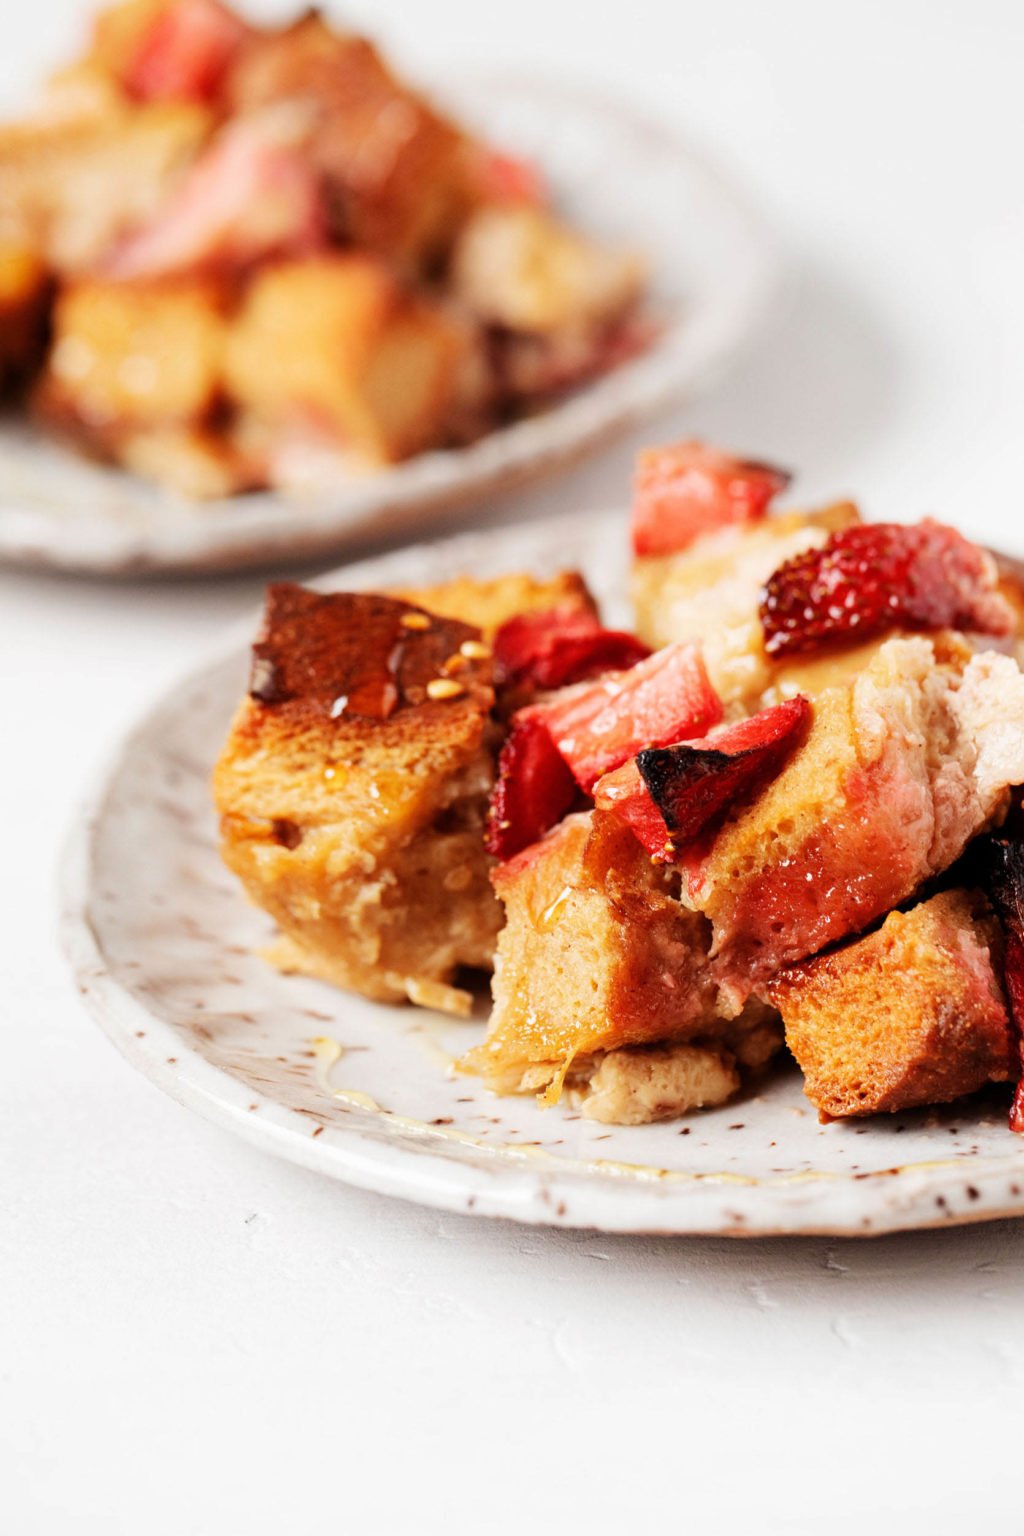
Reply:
x=901, y=768
x=597, y=955
x=912, y=1014
x=517, y=267
x=130, y=355
x=490, y=603
x=402, y=175
x=352, y=793
x=711, y=591
x=72, y=188
x=338, y=339
x=24, y=301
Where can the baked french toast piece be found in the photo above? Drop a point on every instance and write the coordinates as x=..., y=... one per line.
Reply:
x=127, y=356
x=597, y=959
x=710, y=591
x=912, y=1014
x=491, y=602
x=401, y=176
x=557, y=304
x=70, y=189
x=901, y=767
x=336, y=341
x=352, y=793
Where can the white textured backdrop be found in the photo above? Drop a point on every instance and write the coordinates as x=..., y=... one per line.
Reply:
x=195, y=1341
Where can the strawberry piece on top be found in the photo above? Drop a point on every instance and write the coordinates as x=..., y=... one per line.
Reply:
x=185, y=52
x=561, y=646
x=596, y=726
x=534, y=789
x=670, y=795
x=690, y=489
x=880, y=576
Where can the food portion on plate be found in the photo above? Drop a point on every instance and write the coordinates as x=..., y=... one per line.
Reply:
x=235, y=257
x=784, y=810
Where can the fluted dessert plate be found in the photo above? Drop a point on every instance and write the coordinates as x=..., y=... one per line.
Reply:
x=167, y=956
x=714, y=278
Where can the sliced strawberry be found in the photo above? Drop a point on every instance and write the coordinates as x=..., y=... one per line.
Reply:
x=624, y=792
x=1002, y=866
x=505, y=178
x=561, y=646
x=185, y=52
x=684, y=491
x=670, y=795
x=534, y=790
x=882, y=576
x=254, y=193
x=596, y=726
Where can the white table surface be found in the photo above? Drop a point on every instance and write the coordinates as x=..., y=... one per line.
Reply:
x=198, y=1341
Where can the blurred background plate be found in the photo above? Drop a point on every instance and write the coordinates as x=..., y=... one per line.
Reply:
x=166, y=953
x=715, y=275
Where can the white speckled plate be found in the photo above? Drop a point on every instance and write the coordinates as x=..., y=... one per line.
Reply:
x=165, y=950
x=714, y=277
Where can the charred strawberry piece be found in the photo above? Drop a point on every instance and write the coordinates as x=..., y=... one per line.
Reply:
x=882, y=576
x=559, y=647
x=597, y=726
x=690, y=489
x=185, y=52
x=534, y=790
x=670, y=795
x=1002, y=866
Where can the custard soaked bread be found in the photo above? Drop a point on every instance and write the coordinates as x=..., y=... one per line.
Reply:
x=900, y=769
x=353, y=789
x=597, y=956
x=354, y=785
x=913, y=1014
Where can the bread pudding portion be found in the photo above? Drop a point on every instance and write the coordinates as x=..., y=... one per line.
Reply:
x=596, y=963
x=352, y=793
x=347, y=225
x=900, y=769
x=914, y=1013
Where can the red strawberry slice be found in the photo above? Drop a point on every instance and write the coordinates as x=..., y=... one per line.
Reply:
x=561, y=646
x=1002, y=864
x=670, y=795
x=504, y=178
x=185, y=52
x=882, y=576
x=253, y=194
x=684, y=491
x=534, y=790
x=596, y=726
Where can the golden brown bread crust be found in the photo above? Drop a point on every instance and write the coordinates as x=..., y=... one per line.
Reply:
x=596, y=955
x=335, y=340
x=352, y=802
x=489, y=603
x=912, y=1014
x=133, y=355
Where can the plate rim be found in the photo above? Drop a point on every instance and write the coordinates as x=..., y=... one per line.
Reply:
x=432, y=1171
x=292, y=532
